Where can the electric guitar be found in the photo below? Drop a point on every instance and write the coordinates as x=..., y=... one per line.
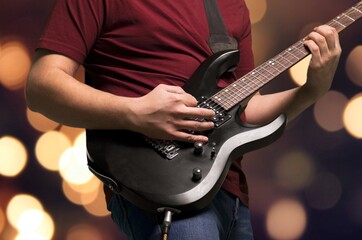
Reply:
x=154, y=174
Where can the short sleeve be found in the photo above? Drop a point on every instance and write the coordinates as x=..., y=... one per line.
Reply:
x=73, y=28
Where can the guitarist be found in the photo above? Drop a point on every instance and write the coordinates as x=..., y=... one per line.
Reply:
x=137, y=55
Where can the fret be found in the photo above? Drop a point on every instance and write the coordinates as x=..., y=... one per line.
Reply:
x=243, y=86
x=256, y=76
x=233, y=93
x=357, y=9
x=298, y=52
x=285, y=58
x=283, y=62
x=280, y=63
x=271, y=74
x=272, y=65
x=266, y=72
x=230, y=97
x=237, y=89
x=248, y=85
x=301, y=48
x=338, y=23
x=347, y=16
x=233, y=96
x=224, y=96
x=346, y=19
x=219, y=101
x=291, y=54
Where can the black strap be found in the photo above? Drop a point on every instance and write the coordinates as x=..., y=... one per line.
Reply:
x=219, y=38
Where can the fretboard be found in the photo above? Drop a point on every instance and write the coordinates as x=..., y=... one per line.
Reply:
x=260, y=76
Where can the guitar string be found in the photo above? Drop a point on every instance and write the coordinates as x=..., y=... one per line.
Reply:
x=279, y=60
x=240, y=89
x=229, y=94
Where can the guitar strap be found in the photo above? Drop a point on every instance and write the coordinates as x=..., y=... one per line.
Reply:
x=219, y=38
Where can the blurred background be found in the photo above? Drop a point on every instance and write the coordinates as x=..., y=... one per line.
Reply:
x=307, y=185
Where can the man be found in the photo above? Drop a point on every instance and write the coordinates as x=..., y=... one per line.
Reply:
x=137, y=55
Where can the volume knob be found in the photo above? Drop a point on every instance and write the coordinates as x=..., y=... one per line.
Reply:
x=198, y=148
x=196, y=174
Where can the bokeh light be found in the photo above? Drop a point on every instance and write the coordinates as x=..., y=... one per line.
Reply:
x=91, y=186
x=19, y=204
x=40, y=122
x=50, y=147
x=14, y=156
x=71, y=133
x=286, y=220
x=73, y=166
x=71, y=194
x=35, y=222
x=299, y=71
x=294, y=170
x=30, y=235
x=14, y=65
x=352, y=116
x=81, y=194
x=98, y=207
x=328, y=111
x=83, y=231
x=80, y=140
x=354, y=65
x=324, y=192
x=257, y=10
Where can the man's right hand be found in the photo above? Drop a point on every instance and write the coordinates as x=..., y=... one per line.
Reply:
x=166, y=112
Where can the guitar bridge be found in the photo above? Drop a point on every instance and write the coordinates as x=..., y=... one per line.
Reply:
x=167, y=149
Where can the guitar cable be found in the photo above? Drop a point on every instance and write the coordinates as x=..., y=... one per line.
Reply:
x=166, y=225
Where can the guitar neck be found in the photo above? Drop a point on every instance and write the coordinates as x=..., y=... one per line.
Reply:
x=260, y=76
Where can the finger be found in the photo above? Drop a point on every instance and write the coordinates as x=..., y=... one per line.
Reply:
x=187, y=137
x=173, y=89
x=195, y=112
x=189, y=100
x=331, y=36
x=182, y=96
x=314, y=49
x=320, y=44
x=194, y=125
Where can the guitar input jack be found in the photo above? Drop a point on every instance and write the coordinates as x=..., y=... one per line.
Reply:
x=166, y=225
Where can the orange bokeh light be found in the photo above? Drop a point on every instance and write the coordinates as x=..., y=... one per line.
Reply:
x=14, y=65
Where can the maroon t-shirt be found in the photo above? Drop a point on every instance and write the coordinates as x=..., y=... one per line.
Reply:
x=130, y=47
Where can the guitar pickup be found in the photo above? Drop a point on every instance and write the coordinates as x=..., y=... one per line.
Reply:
x=220, y=118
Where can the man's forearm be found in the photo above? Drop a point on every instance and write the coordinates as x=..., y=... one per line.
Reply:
x=264, y=108
x=62, y=98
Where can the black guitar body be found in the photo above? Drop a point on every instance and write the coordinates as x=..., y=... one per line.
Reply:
x=154, y=174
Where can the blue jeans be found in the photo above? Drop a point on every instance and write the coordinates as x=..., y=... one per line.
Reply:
x=225, y=218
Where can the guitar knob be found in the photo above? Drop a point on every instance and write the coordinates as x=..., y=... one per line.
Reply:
x=198, y=148
x=196, y=174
